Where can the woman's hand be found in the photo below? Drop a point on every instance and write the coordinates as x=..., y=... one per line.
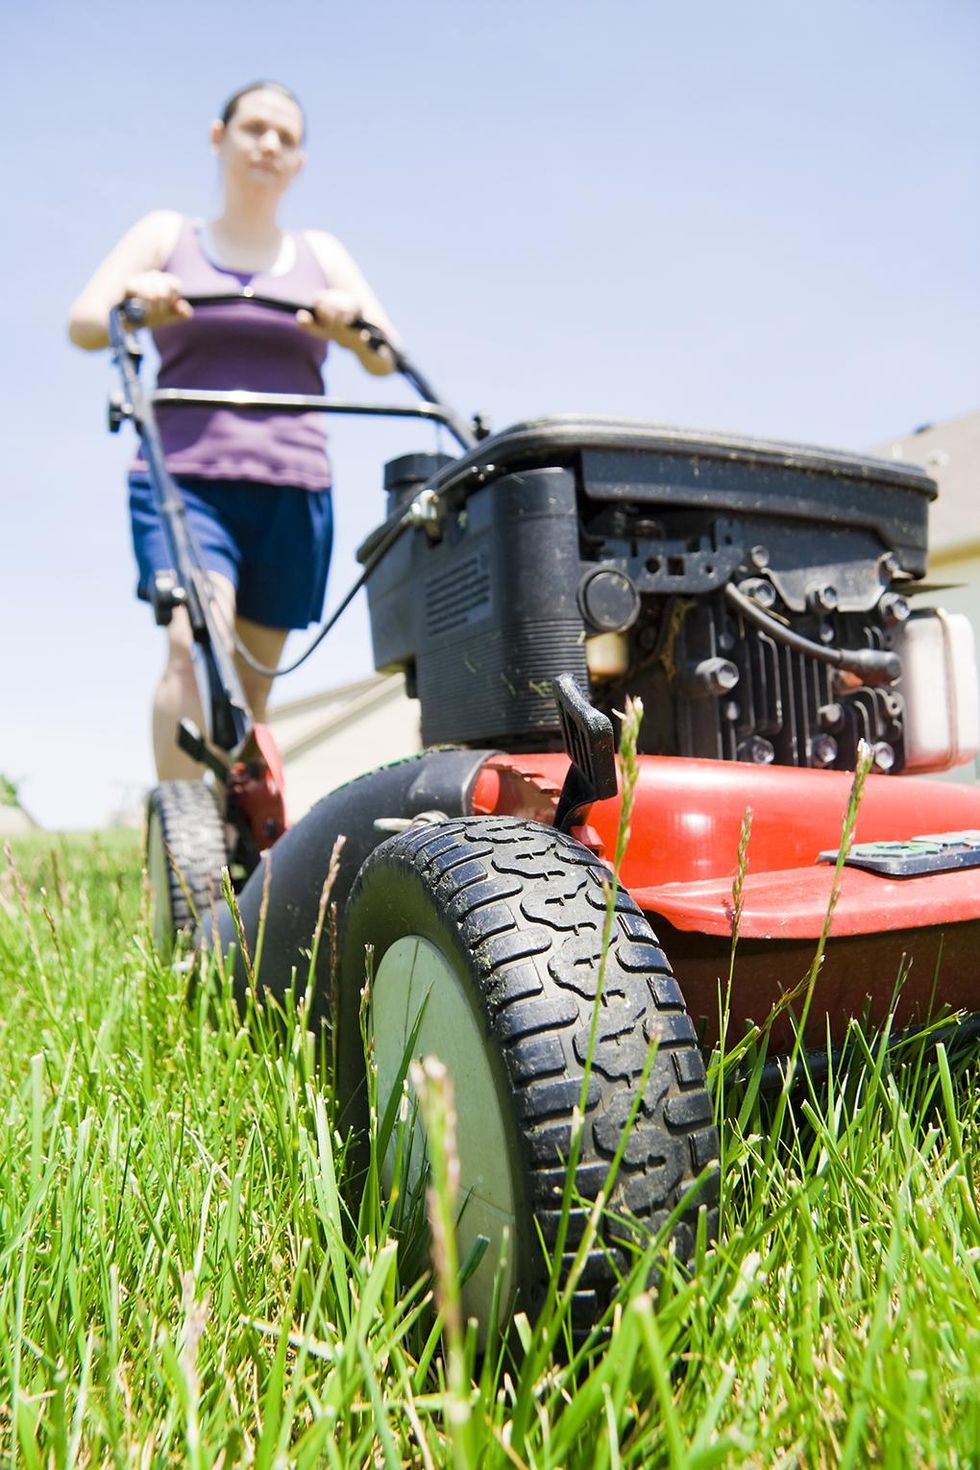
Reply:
x=332, y=315
x=163, y=296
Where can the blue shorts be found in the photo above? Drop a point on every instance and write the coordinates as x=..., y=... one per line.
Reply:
x=272, y=542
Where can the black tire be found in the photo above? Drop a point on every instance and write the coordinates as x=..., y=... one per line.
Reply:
x=516, y=910
x=185, y=852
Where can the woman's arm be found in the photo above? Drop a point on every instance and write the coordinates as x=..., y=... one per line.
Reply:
x=134, y=267
x=348, y=296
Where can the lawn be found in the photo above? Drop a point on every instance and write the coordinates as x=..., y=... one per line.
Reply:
x=181, y=1283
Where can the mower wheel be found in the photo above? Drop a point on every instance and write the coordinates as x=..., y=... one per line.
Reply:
x=487, y=937
x=185, y=852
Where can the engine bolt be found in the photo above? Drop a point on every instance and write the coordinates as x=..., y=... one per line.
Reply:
x=823, y=750
x=831, y=716
x=894, y=608
x=712, y=676
x=824, y=599
x=761, y=592
x=884, y=756
x=759, y=557
x=759, y=750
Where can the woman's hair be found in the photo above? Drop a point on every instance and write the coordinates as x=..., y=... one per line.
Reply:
x=228, y=111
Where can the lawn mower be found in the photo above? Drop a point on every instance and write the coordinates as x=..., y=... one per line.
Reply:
x=757, y=596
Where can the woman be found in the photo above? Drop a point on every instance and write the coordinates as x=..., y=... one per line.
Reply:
x=256, y=485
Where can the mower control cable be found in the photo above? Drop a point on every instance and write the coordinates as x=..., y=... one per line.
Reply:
x=875, y=667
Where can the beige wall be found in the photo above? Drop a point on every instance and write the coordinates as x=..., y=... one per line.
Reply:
x=959, y=567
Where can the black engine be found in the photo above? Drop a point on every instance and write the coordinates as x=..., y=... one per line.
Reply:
x=752, y=593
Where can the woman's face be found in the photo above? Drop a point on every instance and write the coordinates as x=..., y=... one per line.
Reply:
x=261, y=144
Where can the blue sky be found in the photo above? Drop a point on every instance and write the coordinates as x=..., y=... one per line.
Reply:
x=756, y=216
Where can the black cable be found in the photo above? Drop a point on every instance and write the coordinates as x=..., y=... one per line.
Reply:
x=382, y=549
x=874, y=666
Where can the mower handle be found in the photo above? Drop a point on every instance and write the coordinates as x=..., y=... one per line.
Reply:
x=133, y=312
x=226, y=709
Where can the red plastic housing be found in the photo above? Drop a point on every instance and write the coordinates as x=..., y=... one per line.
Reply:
x=256, y=790
x=682, y=859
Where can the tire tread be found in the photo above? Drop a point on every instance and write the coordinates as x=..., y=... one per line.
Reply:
x=194, y=839
x=528, y=905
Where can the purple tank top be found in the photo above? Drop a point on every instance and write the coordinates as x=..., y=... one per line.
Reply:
x=243, y=346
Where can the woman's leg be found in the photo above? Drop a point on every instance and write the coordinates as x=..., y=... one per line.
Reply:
x=265, y=645
x=176, y=696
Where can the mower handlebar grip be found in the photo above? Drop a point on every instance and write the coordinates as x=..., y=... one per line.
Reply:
x=274, y=303
x=134, y=311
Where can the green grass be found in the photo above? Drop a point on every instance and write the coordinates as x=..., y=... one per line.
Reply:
x=180, y=1283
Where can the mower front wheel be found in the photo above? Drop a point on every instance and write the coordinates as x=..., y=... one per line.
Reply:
x=185, y=852
x=486, y=936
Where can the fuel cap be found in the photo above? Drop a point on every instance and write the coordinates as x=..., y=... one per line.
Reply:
x=608, y=600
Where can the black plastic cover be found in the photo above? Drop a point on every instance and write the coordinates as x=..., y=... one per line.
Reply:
x=629, y=460
x=487, y=614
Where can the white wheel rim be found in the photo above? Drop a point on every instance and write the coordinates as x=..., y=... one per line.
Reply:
x=158, y=878
x=414, y=974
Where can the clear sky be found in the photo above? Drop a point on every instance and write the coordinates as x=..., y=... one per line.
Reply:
x=759, y=215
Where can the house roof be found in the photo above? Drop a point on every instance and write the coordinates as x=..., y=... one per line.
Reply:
x=950, y=453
